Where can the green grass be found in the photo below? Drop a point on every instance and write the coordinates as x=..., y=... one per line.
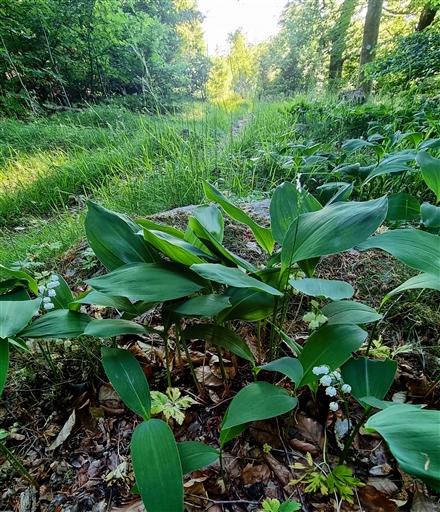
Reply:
x=139, y=165
x=128, y=162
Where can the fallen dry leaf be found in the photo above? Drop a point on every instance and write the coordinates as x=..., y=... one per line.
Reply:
x=310, y=429
x=252, y=475
x=195, y=486
x=382, y=470
x=422, y=502
x=383, y=485
x=136, y=506
x=281, y=472
x=373, y=500
x=417, y=386
x=206, y=377
x=266, y=432
x=304, y=447
x=65, y=432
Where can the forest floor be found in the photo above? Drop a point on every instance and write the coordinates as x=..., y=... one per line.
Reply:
x=72, y=432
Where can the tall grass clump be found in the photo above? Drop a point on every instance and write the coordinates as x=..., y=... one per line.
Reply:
x=44, y=164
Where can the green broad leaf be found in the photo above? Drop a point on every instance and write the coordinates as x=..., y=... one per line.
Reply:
x=342, y=194
x=414, y=137
x=331, y=345
x=308, y=266
x=150, y=225
x=128, y=379
x=33, y=285
x=17, y=294
x=381, y=404
x=262, y=234
x=329, y=289
x=4, y=362
x=153, y=282
x=220, y=336
x=110, y=328
x=289, y=506
x=232, y=277
x=15, y=315
x=270, y=276
x=347, y=169
x=194, y=456
x=191, y=238
x=352, y=145
x=415, y=248
x=394, y=162
x=113, y=238
x=60, y=323
x=107, y=301
x=349, y=312
x=288, y=203
x=204, y=306
x=431, y=217
x=288, y=366
x=226, y=434
x=369, y=377
x=157, y=467
x=430, y=167
x=247, y=304
x=295, y=347
x=424, y=280
x=19, y=343
x=175, y=248
x=7, y=285
x=63, y=294
x=217, y=248
x=430, y=144
x=211, y=219
x=413, y=438
x=403, y=207
x=335, y=228
x=258, y=401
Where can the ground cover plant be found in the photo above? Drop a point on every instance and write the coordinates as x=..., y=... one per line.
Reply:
x=250, y=344
x=274, y=345
x=197, y=261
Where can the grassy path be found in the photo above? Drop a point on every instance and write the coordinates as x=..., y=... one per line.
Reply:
x=129, y=163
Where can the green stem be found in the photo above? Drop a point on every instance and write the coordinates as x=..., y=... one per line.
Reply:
x=192, y=370
x=167, y=360
x=48, y=360
x=178, y=344
x=347, y=413
x=353, y=435
x=259, y=340
x=372, y=335
x=18, y=465
x=222, y=469
x=272, y=330
x=223, y=371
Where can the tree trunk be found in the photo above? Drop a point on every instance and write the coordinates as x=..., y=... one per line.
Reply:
x=426, y=17
x=369, y=41
x=338, y=36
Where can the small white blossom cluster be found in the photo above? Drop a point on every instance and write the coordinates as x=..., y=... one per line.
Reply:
x=47, y=292
x=332, y=381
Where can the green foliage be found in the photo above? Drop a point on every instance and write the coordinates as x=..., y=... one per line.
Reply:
x=411, y=62
x=321, y=479
x=158, y=462
x=273, y=505
x=412, y=435
x=368, y=377
x=170, y=405
x=192, y=275
x=62, y=51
